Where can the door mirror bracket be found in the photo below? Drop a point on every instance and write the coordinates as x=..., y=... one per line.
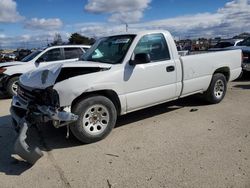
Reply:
x=141, y=58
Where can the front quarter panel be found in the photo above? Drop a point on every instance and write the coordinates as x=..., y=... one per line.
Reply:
x=19, y=69
x=72, y=88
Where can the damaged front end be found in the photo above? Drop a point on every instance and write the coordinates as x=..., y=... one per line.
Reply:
x=37, y=102
x=33, y=108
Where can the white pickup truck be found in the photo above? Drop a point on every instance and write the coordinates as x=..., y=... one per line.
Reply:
x=118, y=75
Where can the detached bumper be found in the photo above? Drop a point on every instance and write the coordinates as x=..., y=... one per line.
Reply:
x=24, y=116
x=21, y=148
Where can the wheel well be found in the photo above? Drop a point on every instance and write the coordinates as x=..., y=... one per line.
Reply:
x=110, y=94
x=225, y=71
x=10, y=77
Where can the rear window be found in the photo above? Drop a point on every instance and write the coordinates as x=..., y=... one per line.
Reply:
x=51, y=55
x=72, y=53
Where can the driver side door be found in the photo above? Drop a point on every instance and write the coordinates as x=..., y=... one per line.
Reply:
x=150, y=83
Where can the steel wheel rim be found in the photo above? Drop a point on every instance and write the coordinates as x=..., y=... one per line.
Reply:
x=219, y=89
x=14, y=87
x=96, y=119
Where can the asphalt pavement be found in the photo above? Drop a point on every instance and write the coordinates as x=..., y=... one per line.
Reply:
x=185, y=143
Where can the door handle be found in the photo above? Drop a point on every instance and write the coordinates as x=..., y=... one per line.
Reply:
x=170, y=68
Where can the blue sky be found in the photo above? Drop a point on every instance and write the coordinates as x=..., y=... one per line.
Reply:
x=33, y=22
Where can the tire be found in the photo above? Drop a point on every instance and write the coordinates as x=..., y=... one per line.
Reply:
x=11, y=86
x=97, y=117
x=217, y=89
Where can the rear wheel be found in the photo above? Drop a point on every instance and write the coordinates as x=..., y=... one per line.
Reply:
x=217, y=89
x=12, y=86
x=97, y=117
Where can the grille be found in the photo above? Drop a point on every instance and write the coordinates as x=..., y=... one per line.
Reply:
x=25, y=94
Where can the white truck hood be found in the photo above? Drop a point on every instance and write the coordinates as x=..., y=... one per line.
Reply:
x=46, y=76
x=8, y=64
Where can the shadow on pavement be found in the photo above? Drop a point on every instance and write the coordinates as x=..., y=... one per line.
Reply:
x=3, y=96
x=241, y=86
x=48, y=138
x=244, y=78
x=192, y=101
x=9, y=165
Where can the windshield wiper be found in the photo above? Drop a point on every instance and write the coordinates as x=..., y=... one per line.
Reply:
x=100, y=61
x=94, y=60
x=107, y=61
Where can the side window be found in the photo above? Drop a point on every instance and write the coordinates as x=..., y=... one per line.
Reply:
x=72, y=53
x=155, y=45
x=51, y=55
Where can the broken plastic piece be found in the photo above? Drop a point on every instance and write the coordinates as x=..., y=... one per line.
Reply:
x=67, y=135
x=22, y=149
x=58, y=115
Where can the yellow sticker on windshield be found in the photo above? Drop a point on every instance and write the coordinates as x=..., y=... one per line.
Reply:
x=122, y=41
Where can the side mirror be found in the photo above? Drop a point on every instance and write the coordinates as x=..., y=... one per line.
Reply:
x=40, y=59
x=140, y=58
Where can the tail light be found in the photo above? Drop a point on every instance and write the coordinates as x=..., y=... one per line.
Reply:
x=245, y=57
x=2, y=70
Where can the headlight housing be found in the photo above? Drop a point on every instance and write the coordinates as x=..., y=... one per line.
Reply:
x=48, y=97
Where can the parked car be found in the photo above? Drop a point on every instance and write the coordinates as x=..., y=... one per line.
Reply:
x=224, y=44
x=245, y=47
x=2, y=57
x=11, y=56
x=11, y=71
x=118, y=75
x=245, y=42
x=22, y=53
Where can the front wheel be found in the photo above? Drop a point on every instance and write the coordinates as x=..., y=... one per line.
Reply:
x=217, y=89
x=12, y=86
x=97, y=117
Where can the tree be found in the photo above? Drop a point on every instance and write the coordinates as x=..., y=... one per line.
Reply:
x=76, y=38
x=57, y=40
x=242, y=36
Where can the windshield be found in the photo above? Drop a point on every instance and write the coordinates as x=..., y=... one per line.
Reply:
x=110, y=50
x=245, y=42
x=31, y=56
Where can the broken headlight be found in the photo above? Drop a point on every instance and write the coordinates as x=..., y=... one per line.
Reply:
x=48, y=97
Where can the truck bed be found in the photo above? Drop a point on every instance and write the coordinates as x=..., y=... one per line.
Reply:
x=198, y=69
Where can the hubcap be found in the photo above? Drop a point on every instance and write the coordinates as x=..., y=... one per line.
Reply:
x=219, y=89
x=96, y=119
x=14, y=87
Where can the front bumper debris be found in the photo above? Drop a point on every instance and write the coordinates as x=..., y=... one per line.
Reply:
x=21, y=148
x=24, y=116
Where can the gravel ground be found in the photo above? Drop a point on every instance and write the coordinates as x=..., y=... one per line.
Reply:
x=185, y=143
